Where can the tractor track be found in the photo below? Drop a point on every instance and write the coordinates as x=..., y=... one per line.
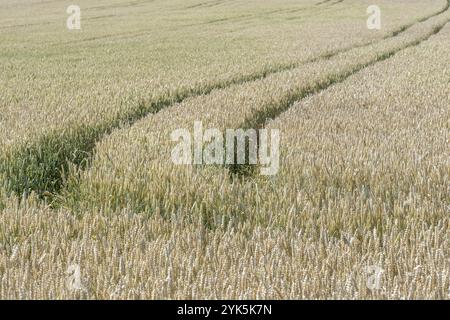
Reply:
x=50, y=156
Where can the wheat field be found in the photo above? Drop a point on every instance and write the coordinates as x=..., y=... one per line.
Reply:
x=92, y=205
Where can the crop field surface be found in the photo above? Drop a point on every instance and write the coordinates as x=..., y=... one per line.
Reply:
x=93, y=204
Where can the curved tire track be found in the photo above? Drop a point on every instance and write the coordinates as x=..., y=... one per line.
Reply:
x=41, y=165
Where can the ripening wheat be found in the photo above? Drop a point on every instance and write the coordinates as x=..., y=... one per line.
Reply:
x=93, y=207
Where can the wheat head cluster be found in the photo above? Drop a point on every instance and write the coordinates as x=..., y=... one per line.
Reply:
x=86, y=177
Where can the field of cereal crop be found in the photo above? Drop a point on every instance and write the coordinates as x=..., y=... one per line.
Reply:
x=90, y=180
